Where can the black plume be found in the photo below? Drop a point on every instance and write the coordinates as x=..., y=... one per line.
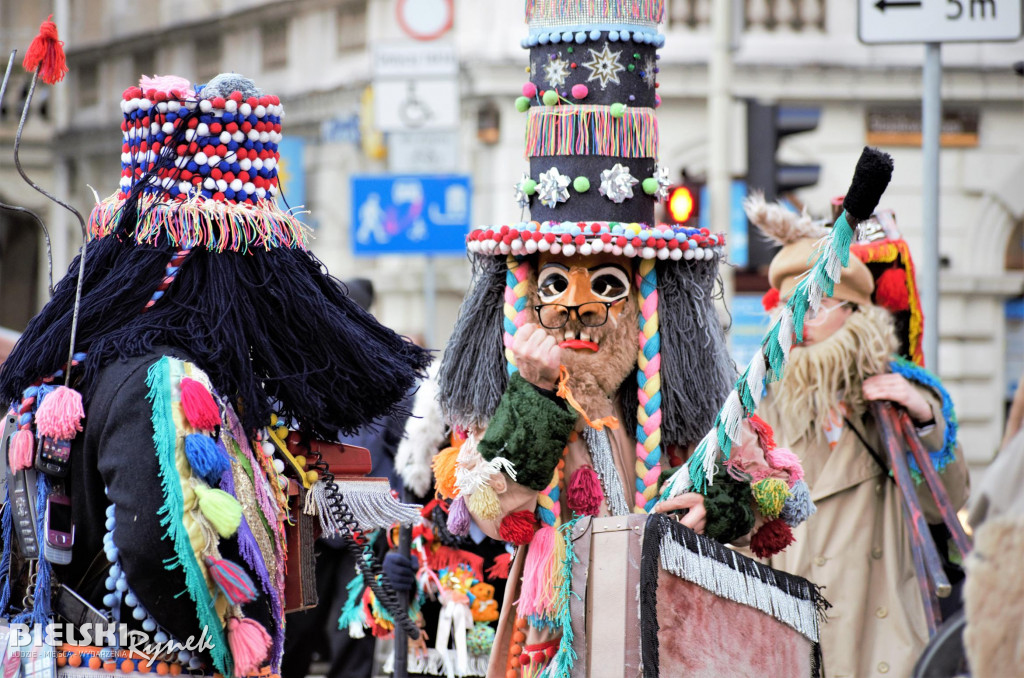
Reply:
x=870, y=179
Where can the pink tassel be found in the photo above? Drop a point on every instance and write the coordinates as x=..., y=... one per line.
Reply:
x=250, y=645
x=781, y=458
x=535, y=584
x=585, y=495
x=200, y=408
x=22, y=450
x=60, y=414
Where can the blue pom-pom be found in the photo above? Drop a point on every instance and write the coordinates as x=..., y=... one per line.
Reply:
x=613, y=36
x=208, y=459
x=595, y=34
x=798, y=506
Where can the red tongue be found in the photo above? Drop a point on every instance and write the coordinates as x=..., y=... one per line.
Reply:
x=579, y=343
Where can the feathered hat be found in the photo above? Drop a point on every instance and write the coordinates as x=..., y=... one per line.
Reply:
x=592, y=186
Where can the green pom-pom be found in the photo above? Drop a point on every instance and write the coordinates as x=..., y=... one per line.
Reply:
x=529, y=187
x=522, y=104
x=550, y=97
x=220, y=508
x=581, y=184
x=631, y=67
x=618, y=110
x=650, y=185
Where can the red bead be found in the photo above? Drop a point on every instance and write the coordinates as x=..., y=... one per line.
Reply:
x=193, y=123
x=236, y=96
x=637, y=242
x=215, y=128
x=182, y=149
x=193, y=148
x=685, y=245
x=566, y=238
x=253, y=101
x=504, y=230
x=595, y=228
x=229, y=177
x=580, y=239
x=151, y=94
x=216, y=174
x=231, y=127
x=217, y=102
x=513, y=233
x=660, y=243
x=186, y=175
x=673, y=244
x=651, y=241
x=209, y=150
x=550, y=237
x=621, y=241
x=222, y=150
x=160, y=96
x=243, y=176
x=246, y=127
x=218, y=196
x=606, y=237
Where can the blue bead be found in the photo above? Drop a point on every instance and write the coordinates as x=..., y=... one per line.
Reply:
x=229, y=194
x=139, y=614
x=567, y=36
x=121, y=585
x=543, y=38
x=581, y=37
x=227, y=117
x=109, y=583
x=693, y=244
x=148, y=625
x=595, y=34
x=184, y=656
x=130, y=600
x=613, y=36
x=109, y=600
x=107, y=653
x=624, y=36
x=532, y=40
x=192, y=166
x=160, y=637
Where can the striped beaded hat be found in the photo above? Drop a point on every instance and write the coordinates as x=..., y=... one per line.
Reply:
x=210, y=157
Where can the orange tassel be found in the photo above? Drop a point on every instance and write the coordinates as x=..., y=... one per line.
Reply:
x=564, y=392
x=444, y=472
x=47, y=53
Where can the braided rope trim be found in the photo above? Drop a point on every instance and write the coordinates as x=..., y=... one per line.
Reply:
x=768, y=364
x=211, y=224
x=517, y=285
x=173, y=266
x=648, y=417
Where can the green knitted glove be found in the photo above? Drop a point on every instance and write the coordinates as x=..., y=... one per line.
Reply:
x=530, y=430
x=730, y=508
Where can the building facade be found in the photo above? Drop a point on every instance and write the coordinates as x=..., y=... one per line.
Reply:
x=317, y=56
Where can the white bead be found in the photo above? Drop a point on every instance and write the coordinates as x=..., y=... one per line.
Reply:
x=270, y=162
x=245, y=164
x=543, y=245
x=205, y=106
x=264, y=137
x=209, y=184
x=213, y=160
x=261, y=193
x=203, y=130
x=260, y=111
x=586, y=249
x=504, y=248
x=663, y=253
x=230, y=105
x=629, y=250
x=222, y=185
x=145, y=104
x=688, y=255
x=257, y=164
x=225, y=137
x=200, y=158
x=568, y=250
x=238, y=136
x=597, y=246
x=126, y=158
x=648, y=253
x=249, y=187
x=273, y=190
x=556, y=247
x=244, y=109
x=184, y=187
x=279, y=465
x=181, y=161
x=236, y=185
x=531, y=246
x=190, y=135
x=676, y=254
x=253, y=135
x=173, y=106
x=161, y=107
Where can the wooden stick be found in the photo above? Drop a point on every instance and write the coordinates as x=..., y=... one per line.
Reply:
x=931, y=477
x=927, y=564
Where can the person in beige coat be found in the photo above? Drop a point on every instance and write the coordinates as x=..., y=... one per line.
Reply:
x=857, y=545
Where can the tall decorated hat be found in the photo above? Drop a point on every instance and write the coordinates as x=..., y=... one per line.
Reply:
x=592, y=138
x=220, y=188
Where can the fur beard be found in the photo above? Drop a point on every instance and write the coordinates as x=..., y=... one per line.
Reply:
x=820, y=377
x=595, y=378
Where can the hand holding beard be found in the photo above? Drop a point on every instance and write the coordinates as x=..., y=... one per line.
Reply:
x=538, y=356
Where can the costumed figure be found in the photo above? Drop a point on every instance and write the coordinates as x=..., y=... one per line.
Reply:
x=862, y=346
x=148, y=481
x=588, y=359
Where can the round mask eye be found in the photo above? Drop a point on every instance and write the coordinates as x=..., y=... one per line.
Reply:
x=552, y=284
x=609, y=283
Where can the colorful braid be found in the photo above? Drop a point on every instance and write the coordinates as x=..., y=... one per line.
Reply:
x=549, y=507
x=173, y=266
x=516, y=286
x=648, y=376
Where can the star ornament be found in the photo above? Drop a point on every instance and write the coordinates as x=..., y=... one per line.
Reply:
x=617, y=183
x=604, y=66
x=553, y=187
x=650, y=76
x=522, y=199
x=661, y=174
x=556, y=71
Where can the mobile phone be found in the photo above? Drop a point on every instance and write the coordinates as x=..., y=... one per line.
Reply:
x=53, y=456
x=59, y=529
x=21, y=488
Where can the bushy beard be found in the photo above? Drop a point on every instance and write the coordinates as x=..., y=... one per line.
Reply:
x=595, y=377
x=821, y=376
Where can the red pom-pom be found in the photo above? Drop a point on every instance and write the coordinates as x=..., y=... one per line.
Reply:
x=47, y=53
x=585, y=495
x=21, y=451
x=518, y=528
x=499, y=570
x=772, y=538
x=891, y=290
x=200, y=408
x=770, y=299
x=765, y=435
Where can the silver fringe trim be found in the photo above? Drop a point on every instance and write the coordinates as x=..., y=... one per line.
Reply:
x=601, y=455
x=726, y=582
x=434, y=664
x=369, y=500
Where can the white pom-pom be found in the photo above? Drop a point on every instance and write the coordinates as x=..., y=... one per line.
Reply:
x=688, y=255
x=504, y=248
x=214, y=160
x=225, y=137
x=270, y=162
x=249, y=187
x=205, y=106
x=244, y=109
x=543, y=245
x=200, y=158
x=209, y=184
x=260, y=111
x=568, y=250
x=663, y=253
x=598, y=246
x=238, y=136
x=167, y=128
x=531, y=246
x=203, y=130
x=257, y=164
x=230, y=105
x=173, y=106
x=222, y=185
x=245, y=164
x=586, y=249
x=556, y=247
x=145, y=104
x=236, y=185
x=261, y=193
x=629, y=250
x=253, y=135
x=184, y=187
x=616, y=250
x=676, y=254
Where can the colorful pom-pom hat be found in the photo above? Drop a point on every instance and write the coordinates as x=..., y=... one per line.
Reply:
x=220, y=191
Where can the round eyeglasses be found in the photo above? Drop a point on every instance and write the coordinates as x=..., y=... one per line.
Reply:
x=821, y=315
x=590, y=314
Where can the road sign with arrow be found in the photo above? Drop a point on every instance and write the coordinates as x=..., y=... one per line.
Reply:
x=910, y=21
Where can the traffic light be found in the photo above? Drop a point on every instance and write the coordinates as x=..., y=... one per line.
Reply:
x=684, y=204
x=767, y=124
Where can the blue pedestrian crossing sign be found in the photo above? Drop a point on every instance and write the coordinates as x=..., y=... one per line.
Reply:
x=410, y=214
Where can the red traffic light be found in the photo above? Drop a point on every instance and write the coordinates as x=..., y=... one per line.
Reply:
x=682, y=204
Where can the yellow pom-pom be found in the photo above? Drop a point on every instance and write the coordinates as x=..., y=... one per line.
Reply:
x=444, y=472
x=770, y=495
x=484, y=504
x=221, y=509
x=312, y=477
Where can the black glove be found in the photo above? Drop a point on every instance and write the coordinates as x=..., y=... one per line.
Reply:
x=401, y=570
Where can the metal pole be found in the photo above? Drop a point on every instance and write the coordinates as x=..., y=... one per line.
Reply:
x=931, y=122
x=719, y=114
x=429, y=303
x=401, y=640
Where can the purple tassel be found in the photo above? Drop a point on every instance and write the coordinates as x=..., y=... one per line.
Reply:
x=458, y=517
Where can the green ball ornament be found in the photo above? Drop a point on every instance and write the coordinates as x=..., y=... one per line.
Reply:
x=618, y=110
x=550, y=98
x=650, y=185
x=581, y=184
x=522, y=104
x=529, y=187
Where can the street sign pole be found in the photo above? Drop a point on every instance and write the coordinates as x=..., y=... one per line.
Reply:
x=429, y=302
x=931, y=122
